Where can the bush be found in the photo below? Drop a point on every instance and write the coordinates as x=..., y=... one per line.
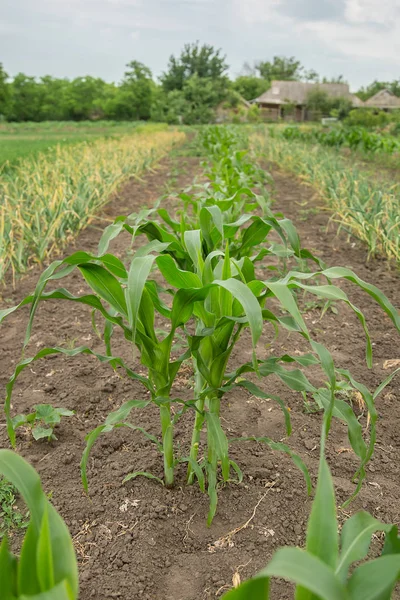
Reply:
x=254, y=114
x=367, y=117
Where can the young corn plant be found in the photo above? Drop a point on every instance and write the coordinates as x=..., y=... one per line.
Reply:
x=325, y=569
x=46, y=568
x=219, y=319
x=214, y=295
x=232, y=176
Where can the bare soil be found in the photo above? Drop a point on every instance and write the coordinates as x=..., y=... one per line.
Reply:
x=141, y=541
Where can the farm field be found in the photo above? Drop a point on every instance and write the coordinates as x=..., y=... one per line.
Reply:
x=47, y=198
x=143, y=540
x=19, y=140
x=364, y=201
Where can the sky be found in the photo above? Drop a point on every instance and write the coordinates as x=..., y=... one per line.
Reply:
x=359, y=39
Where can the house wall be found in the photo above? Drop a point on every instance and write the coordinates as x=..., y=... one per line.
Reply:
x=269, y=112
x=273, y=112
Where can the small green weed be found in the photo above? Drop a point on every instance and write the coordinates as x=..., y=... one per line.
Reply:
x=10, y=517
x=42, y=421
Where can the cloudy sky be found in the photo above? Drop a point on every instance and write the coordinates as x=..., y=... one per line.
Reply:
x=357, y=38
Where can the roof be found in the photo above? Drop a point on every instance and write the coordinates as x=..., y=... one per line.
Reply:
x=383, y=99
x=283, y=92
x=356, y=100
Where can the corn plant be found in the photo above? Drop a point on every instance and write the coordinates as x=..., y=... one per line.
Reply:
x=207, y=291
x=46, y=567
x=325, y=569
x=232, y=174
x=211, y=307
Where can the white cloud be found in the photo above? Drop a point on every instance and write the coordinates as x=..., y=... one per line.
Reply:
x=358, y=41
x=382, y=12
x=358, y=38
x=256, y=11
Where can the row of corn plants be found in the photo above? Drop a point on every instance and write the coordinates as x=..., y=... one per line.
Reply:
x=46, y=568
x=324, y=570
x=355, y=138
x=45, y=200
x=368, y=209
x=198, y=271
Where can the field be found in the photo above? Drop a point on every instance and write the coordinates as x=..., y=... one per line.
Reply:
x=197, y=324
x=18, y=140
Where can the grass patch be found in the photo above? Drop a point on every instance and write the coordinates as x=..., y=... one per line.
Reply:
x=11, y=517
x=19, y=140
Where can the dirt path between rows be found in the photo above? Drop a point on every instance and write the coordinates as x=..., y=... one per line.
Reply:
x=140, y=541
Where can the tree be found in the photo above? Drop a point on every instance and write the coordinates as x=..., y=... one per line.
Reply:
x=53, y=99
x=318, y=101
x=281, y=68
x=83, y=96
x=26, y=96
x=376, y=86
x=250, y=86
x=5, y=92
x=335, y=79
x=137, y=91
x=311, y=76
x=204, y=61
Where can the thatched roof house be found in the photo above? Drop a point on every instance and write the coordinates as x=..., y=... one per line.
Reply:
x=384, y=100
x=283, y=93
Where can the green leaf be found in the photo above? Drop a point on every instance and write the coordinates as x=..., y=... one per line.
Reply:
x=114, y=362
x=292, y=234
x=8, y=572
x=258, y=393
x=280, y=448
x=105, y=285
x=322, y=535
x=355, y=540
x=39, y=432
x=375, y=580
x=248, y=300
x=27, y=576
x=254, y=589
x=194, y=247
x=138, y=273
x=197, y=470
x=307, y=571
x=345, y=413
x=109, y=233
x=392, y=542
x=62, y=591
x=372, y=290
x=114, y=265
x=45, y=568
x=281, y=291
x=254, y=235
x=294, y=378
x=26, y=480
x=177, y=277
x=220, y=442
x=142, y=474
x=113, y=419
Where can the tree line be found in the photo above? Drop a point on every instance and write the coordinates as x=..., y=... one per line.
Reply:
x=190, y=88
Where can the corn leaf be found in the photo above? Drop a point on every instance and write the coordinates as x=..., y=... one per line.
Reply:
x=8, y=572
x=322, y=531
x=375, y=580
x=308, y=571
x=45, y=568
x=356, y=538
x=105, y=285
